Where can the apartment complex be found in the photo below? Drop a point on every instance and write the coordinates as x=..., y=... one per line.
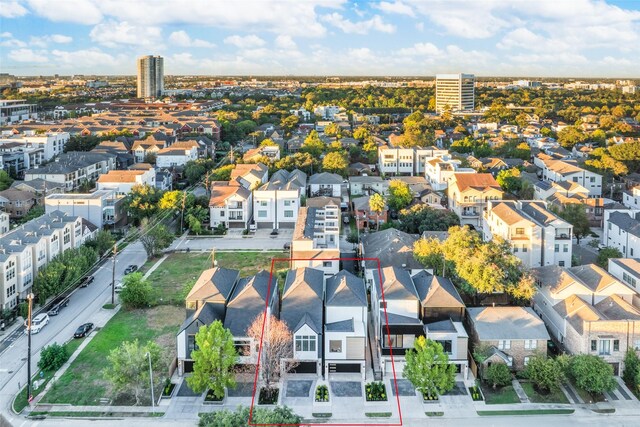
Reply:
x=74, y=168
x=150, y=76
x=537, y=236
x=316, y=239
x=101, y=208
x=16, y=110
x=455, y=92
x=393, y=159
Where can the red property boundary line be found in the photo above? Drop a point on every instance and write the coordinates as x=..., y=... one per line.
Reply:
x=393, y=366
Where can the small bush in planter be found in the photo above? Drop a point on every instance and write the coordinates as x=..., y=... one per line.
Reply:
x=211, y=397
x=268, y=396
x=322, y=393
x=475, y=393
x=429, y=397
x=168, y=388
x=375, y=392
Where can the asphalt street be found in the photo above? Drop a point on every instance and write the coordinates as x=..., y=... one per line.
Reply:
x=83, y=305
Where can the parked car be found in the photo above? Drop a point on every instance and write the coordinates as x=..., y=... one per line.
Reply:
x=118, y=287
x=86, y=281
x=37, y=323
x=83, y=330
x=130, y=269
x=57, y=305
x=286, y=247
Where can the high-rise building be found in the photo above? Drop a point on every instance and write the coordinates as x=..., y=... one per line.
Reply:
x=455, y=92
x=150, y=76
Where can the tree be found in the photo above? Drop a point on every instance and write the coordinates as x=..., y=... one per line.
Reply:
x=605, y=253
x=223, y=173
x=400, y=195
x=53, y=357
x=631, y=373
x=303, y=161
x=102, y=243
x=427, y=367
x=420, y=218
x=335, y=162
x=194, y=171
x=136, y=291
x=240, y=417
x=128, y=367
x=498, y=375
x=591, y=373
x=171, y=200
x=570, y=136
x=289, y=123
x=214, y=359
x=277, y=346
x=545, y=373
x=5, y=180
x=510, y=180
x=155, y=238
x=313, y=145
x=332, y=129
x=142, y=202
x=377, y=205
x=576, y=215
x=361, y=133
x=268, y=142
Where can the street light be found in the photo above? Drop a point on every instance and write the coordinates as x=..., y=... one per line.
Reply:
x=153, y=406
x=30, y=299
x=113, y=273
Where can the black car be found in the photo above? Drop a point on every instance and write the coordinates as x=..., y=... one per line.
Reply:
x=86, y=281
x=287, y=247
x=57, y=305
x=83, y=330
x=130, y=269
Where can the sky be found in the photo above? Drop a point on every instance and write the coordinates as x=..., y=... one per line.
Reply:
x=535, y=38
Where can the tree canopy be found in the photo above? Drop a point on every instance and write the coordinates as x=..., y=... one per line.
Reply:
x=400, y=195
x=428, y=368
x=420, y=218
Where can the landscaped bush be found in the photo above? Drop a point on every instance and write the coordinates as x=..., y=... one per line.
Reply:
x=375, y=392
x=240, y=417
x=219, y=230
x=322, y=393
x=53, y=357
x=475, y=393
x=168, y=388
x=211, y=397
x=268, y=396
x=592, y=374
x=498, y=375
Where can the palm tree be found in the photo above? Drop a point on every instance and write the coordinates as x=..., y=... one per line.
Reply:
x=377, y=205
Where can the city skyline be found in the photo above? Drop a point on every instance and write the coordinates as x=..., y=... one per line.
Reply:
x=581, y=38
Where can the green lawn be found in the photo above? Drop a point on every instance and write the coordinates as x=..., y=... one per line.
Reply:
x=528, y=412
x=586, y=396
x=500, y=396
x=82, y=383
x=556, y=396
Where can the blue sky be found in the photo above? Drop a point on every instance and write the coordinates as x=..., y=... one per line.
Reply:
x=581, y=38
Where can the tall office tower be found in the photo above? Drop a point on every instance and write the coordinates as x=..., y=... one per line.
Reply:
x=150, y=76
x=455, y=92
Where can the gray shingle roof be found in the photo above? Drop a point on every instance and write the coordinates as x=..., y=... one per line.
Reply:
x=247, y=302
x=398, y=319
x=391, y=247
x=341, y=326
x=214, y=285
x=325, y=178
x=396, y=284
x=71, y=162
x=507, y=323
x=626, y=223
x=436, y=291
x=345, y=290
x=206, y=315
x=302, y=299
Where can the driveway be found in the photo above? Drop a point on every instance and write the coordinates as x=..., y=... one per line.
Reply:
x=405, y=388
x=346, y=388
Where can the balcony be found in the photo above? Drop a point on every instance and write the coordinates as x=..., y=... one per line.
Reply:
x=469, y=213
x=563, y=236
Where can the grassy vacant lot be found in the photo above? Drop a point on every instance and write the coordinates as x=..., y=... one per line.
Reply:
x=500, y=396
x=556, y=396
x=82, y=383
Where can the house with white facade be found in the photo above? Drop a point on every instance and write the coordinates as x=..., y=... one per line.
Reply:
x=302, y=310
x=230, y=205
x=468, y=196
x=250, y=175
x=627, y=270
x=622, y=231
x=326, y=111
x=74, y=168
x=537, y=236
x=394, y=159
x=631, y=198
x=345, y=324
x=4, y=223
x=588, y=311
x=438, y=171
x=123, y=181
x=325, y=184
x=365, y=185
x=143, y=148
x=316, y=239
x=101, y=208
x=178, y=154
x=568, y=170
x=50, y=143
x=276, y=202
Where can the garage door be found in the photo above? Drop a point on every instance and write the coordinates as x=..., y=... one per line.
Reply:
x=235, y=224
x=305, y=368
x=336, y=368
x=263, y=225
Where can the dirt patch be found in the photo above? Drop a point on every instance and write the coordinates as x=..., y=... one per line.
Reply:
x=163, y=316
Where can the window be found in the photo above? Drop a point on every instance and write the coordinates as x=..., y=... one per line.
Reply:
x=636, y=343
x=561, y=263
x=510, y=361
x=504, y=344
x=605, y=347
x=565, y=248
x=515, y=249
x=519, y=230
x=557, y=248
x=262, y=214
x=446, y=345
x=288, y=214
x=526, y=360
x=530, y=344
x=335, y=346
x=305, y=343
x=396, y=341
x=191, y=344
x=594, y=345
x=592, y=179
x=243, y=347
x=263, y=203
x=524, y=249
x=287, y=203
x=327, y=264
x=616, y=345
x=629, y=279
x=222, y=213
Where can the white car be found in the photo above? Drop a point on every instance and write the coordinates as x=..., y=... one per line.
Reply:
x=118, y=287
x=38, y=322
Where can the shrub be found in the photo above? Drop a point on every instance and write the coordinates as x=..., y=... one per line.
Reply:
x=136, y=292
x=375, y=392
x=240, y=417
x=545, y=373
x=631, y=373
x=322, y=393
x=498, y=375
x=53, y=357
x=592, y=374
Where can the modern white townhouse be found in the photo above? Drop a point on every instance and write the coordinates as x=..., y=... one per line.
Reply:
x=74, y=168
x=537, y=236
x=438, y=170
x=325, y=184
x=627, y=270
x=468, y=196
x=28, y=248
x=230, y=205
x=568, y=170
x=178, y=154
x=276, y=202
x=365, y=185
x=4, y=223
x=316, y=239
x=101, y=208
x=50, y=143
x=396, y=160
x=123, y=181
x=631, y=198
x=622, y=231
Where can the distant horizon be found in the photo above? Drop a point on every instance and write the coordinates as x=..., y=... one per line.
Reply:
x=583, y=39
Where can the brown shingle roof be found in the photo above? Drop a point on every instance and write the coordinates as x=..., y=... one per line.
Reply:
x=475, y=180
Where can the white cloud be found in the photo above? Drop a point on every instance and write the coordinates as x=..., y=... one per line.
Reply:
x=245, y=42
x=86, y=12
x=111, y=34
x=53, y=38
x=285, y=42
x=420, y=49
x=395, y=7
x=182, y=39
x=361, y=54
x=83, y=58
x=361, y=27
x=28, y=55
x=7, y=40
x=420, y=26
x=12, y=9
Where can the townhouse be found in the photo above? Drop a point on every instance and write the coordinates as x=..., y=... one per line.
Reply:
x=5, y=225
x=50, y=144
x=365, y=217
x=316, y=239
x=123, y=181
x=325, y=184
x=178, y=154
x=365, y=185
x=74, y=168
x=537, y=236
x=627, y=270
x=588, y=311
x=142, y=149
x=631, y=198
x=16, y=203
x=255, y=154
x=568, y=170
x=230, y=205
x=101, y=208
x=39, y=187
x=276, y=202
x=438, y=171
x=393, y=159
x=622, y=231
x=250, y=175
x=28, y=248
x=469, y=194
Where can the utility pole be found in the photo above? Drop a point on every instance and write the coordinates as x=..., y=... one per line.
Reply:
x=30, y=299
x=113, y=273
x=207, y=184
x=153, y=404
x=184, y=201
x=213, y=257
